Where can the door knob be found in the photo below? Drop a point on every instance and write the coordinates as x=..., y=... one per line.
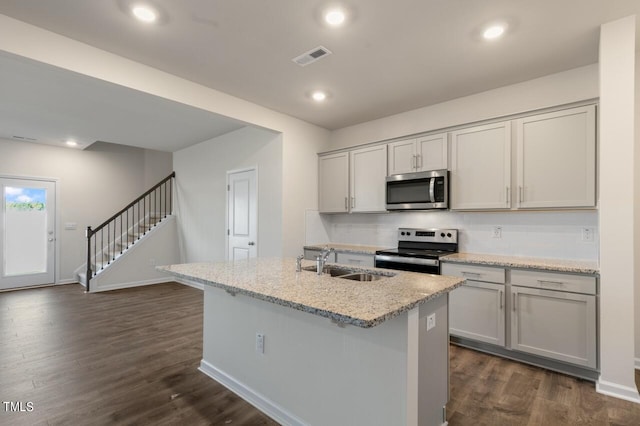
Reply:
x=251, y=243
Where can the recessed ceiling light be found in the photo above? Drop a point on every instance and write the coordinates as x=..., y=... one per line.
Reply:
x=71, y=143
x=144, y=13
x=319, y=96
x=493, y=32
x=334, y=17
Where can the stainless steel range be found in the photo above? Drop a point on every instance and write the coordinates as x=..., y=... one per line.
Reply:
x=419, y=250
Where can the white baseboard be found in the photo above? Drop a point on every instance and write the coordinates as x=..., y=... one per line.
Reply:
x=67, y=281
x=254, y=398
x=128, y=285
x=618, y=391
x=189, y=283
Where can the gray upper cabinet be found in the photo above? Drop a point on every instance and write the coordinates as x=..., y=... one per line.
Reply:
x=556, y=159
x=481, y=167
x=333, y=183
x=418, y=155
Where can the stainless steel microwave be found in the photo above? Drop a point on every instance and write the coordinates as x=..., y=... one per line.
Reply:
x=418, y=191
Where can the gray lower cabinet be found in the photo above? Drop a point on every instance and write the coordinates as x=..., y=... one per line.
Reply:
x=477, y=312
x=477, y=308
x=311, y=254
x=541, y=315
x=556, y=323
x=356, y=259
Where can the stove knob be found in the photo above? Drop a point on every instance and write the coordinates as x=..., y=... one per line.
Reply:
x=402, y=233
x=442, y=234
x=449, y=234
x=409, y=233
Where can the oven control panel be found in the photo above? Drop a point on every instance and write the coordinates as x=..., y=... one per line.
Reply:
x=428, y=235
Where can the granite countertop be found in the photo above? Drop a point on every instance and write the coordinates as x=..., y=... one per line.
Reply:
x=346, y=248
x=363, y=304
x=558, y=265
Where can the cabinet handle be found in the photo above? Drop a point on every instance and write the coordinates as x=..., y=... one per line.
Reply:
x=414, y=162
x=514, y=301
x=507, y=200
x=353, y=202
x=551, y=282
x=520, y=194
x=501, y=299
x=418, y=161
x=346, y=206
x=475, y=274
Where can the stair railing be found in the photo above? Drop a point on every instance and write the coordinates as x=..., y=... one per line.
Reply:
x=124, y=228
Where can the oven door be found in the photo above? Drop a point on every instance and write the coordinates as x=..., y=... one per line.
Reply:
x=412, y=264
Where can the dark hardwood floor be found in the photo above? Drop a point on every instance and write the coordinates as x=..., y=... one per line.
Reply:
x=131, y=357
x=121, y=357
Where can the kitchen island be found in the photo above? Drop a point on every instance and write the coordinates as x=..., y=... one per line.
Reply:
x=316, y=349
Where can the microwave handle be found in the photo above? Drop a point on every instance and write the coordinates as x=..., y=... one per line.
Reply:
x=432, y=190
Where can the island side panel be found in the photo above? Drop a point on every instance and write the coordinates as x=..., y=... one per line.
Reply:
x=312, y=371
x=433, y=368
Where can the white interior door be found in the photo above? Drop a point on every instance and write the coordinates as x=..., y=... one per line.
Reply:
x=27, y=233
x=242, y=214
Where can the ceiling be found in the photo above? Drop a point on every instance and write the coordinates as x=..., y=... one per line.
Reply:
x=390, y=57
x=48, y=105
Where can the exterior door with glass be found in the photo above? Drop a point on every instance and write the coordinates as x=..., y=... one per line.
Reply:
x=27, y=233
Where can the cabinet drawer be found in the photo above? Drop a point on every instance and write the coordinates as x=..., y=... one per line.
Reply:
x=554, y=281
x=311, y=254
x=473, y=272
x=367, y=260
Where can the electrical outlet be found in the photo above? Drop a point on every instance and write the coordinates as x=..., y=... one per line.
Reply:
x=431, y=321
x=587, y=234
x=497, y=232
x=260, y=343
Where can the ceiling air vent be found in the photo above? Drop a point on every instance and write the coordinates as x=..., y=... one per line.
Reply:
x=311, y=56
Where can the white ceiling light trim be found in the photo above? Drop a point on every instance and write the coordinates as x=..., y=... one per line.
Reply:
x=319, y=96
x=144, y=13
x=71, y=143
x=494, y=31
x=335, y=17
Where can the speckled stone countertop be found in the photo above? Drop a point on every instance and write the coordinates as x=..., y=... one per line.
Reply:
x=558, y=265
x=346, y=248
x=275, y=280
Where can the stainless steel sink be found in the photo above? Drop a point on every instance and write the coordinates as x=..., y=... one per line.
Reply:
x=330, y=270
x=349, y=274
x=362, y=276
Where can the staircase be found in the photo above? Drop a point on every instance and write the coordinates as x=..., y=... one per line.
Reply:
x=119, y=235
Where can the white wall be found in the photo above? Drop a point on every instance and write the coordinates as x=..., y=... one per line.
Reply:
x=300, y=140
x=636, y=231
x=617, y=168
x=536, y=234
x=556, y=89
x=201, y=196
x=92, y=185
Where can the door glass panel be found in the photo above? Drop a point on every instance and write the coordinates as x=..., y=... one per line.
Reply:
x=25, y=236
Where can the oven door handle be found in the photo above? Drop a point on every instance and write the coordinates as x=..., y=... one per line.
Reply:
x=410, y=260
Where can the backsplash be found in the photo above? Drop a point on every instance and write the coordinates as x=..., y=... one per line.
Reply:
x=537, y=234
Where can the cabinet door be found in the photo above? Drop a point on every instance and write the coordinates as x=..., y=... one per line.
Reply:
x=481, y=167
x=368, y=179
x=402, y=157
x=554, y=324
x=356, y=259
x=476, y=311
x=557, y=159
x=431, y=152
x=333, y=183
